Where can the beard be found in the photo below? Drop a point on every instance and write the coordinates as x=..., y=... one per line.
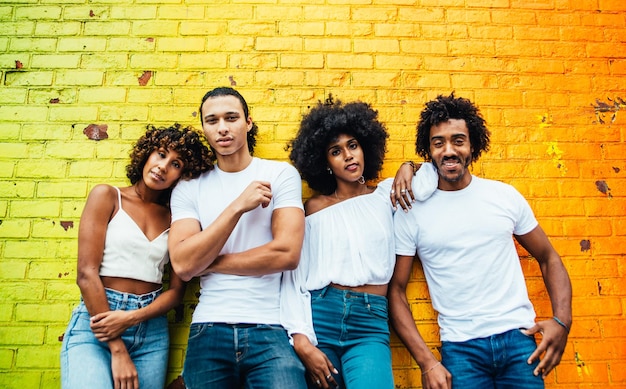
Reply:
x=456, y=176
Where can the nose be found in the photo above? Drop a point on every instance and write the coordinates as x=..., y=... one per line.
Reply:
x=163, y=164
x=448, y=149
x=348, y=155
x=222, y=127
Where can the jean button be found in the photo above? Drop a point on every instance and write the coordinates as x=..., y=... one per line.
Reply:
x=348, y=295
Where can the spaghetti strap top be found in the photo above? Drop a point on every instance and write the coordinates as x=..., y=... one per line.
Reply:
x=128, y=253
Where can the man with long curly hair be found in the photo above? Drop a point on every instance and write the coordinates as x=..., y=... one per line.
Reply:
x=463, y=236
x=238, y=228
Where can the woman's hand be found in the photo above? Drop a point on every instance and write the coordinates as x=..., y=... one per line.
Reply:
x=124, y=371
x=401, y=189
x=318, y=366
x=109, y=325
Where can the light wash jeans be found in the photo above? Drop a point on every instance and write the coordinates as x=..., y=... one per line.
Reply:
x=494, y=362
x=352, y=330
x=86, y=362
x=233, y=356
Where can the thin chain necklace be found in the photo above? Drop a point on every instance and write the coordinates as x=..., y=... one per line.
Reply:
x=362, y=192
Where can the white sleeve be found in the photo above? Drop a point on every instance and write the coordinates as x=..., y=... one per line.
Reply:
x=182, y=203
x=295, y=306
x=287, y=188
x=405, y=233
x=425, y=181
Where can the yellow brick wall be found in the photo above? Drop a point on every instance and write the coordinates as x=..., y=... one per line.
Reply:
x=549, y=75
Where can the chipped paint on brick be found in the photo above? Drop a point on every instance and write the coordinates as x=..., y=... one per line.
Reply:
x=585, y=245
x=144, y=78
x=556, y=154
x=96, y=131
x=581, y=366
x=603, y=187
x=614, y=106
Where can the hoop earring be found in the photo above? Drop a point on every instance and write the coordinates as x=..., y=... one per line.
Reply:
x=361, y=180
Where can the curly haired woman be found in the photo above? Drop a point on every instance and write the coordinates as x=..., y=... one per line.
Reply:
x=118, y=335
x=348, y=254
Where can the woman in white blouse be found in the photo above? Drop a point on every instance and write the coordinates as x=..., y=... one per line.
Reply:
x=348, y=254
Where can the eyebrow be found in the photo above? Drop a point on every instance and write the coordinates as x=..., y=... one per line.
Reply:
x=350, y=140
x=453, y=136
x=225, y=114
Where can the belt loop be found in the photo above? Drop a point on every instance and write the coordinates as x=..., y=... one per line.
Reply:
x=367, y=298
x=324, y=290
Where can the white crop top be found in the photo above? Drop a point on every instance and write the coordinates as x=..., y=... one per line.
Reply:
x=350, y=243
x=129, y=254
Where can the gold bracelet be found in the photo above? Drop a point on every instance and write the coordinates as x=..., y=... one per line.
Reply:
x=429, y=370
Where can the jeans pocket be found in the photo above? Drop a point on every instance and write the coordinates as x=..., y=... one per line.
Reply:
x=316, y=295
x=196, y=330
x=522, y=332
x=378, y=310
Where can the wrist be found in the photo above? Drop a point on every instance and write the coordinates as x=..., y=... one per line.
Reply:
x=428, y=370
x=562, y=324
x=116, y=346
x=413, y=166
x=300, y=341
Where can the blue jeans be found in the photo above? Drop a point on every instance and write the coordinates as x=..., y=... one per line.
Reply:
x=352, y=330
x=498, y=361
x=232, y=356
x=86, y=362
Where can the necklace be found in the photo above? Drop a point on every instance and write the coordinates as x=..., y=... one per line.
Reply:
x=363, y=191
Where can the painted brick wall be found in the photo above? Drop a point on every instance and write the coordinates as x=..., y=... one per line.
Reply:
x=549, y=75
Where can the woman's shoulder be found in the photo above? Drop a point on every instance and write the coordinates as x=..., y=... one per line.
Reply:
x=103, y=191
x=317, y=203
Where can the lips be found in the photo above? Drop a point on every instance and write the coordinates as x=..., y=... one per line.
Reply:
x=157, y=176
x=352, y=167
x=450, y=163
x=224, y=141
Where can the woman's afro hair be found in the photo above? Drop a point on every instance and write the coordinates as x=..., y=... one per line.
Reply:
x=322, y=125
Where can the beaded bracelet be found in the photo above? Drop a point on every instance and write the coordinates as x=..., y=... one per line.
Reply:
x=413, y=166
x=556, y=319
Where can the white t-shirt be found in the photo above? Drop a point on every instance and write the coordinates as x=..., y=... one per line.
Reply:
x=464, y=240
x=228, y=298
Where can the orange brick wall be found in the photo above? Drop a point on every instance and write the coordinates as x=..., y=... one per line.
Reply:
x=549, y=75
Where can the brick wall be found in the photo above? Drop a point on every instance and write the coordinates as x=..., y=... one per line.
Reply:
x=549, y=75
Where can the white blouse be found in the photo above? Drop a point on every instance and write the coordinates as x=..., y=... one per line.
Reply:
x=350, y=243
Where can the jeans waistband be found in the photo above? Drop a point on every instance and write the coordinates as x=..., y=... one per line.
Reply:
x=123, y=300
x=348, y=294
x=238, y=325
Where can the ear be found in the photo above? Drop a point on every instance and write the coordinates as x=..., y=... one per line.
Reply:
x=249, y=123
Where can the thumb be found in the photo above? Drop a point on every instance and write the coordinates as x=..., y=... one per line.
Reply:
x=532, y=330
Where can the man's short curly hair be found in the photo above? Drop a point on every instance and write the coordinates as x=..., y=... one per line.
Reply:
x=228, y=91
x=322, y=125
x=186, y=141
x=444, y=108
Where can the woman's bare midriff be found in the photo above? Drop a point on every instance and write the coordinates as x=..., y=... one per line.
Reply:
x=128, y=285
x=380, y=290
